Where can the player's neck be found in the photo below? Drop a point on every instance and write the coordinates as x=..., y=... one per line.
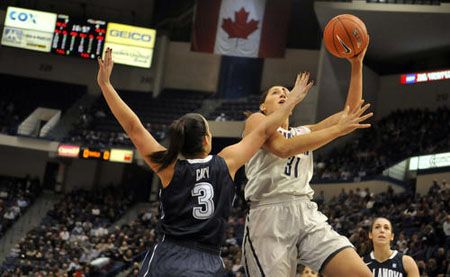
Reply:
x=198, y=156
x=382, y=253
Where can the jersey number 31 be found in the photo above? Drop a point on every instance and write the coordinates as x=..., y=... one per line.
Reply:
x=290, y=164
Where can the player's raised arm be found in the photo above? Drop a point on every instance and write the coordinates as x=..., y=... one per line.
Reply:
x=141, y=138
x=348, y=121
x=264, y=126
x=355, y=88
x=354, y=95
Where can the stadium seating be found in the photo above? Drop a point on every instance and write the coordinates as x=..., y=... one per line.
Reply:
x=72, y=234
x=16, y=195
x=20, y=96
x=398, y=136
x=235, y=109
x=98, y=127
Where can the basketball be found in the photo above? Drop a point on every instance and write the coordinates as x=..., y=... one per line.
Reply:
x=345, y=36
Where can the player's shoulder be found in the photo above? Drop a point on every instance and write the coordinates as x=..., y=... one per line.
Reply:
x=406, y=259
x=253, y=121
x=398, y=255
x=255, y=116
x=409, y=265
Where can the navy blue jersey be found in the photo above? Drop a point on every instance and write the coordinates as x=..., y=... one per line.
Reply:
x=392, y=267
x=196, y=204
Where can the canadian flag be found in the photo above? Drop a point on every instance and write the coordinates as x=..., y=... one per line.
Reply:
x=243, y=28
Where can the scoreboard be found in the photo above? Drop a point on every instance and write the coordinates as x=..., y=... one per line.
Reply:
x=76, y=37
x=70, y=36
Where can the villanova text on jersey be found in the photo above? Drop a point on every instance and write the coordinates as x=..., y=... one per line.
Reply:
x=392, y=267
x=386, y=272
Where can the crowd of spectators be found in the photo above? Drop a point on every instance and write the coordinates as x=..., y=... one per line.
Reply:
x=394, y=138
x=77, y=238
x=74, y=237
x=16, y=195
x=140, y=236
x=421, y=225
x=418, y=222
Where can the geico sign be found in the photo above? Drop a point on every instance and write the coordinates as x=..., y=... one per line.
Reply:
x=131, y=35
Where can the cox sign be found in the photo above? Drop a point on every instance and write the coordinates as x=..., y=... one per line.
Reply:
x=30, y=19
x=22, y=16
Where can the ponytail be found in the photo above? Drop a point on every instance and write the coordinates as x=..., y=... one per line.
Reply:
x=166, y=157
x=186, y=136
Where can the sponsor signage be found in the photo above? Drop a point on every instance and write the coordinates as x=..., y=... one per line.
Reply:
x=86, y=38
x=27, y=39
x=28, y=29
x=121, y=155
x=131, y=45
x=65, y=150
x=130, y=35
x=30, y=19
x=430, y=161
x=131, y=55
x=94, y=153
x=424, y=77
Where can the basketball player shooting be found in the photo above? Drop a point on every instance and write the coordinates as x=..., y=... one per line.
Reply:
x=283, y=221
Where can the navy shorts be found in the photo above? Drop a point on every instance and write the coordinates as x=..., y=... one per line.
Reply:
x=174, y=259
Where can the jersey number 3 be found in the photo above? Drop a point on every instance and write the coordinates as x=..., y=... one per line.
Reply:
x=290, y=164
x=205, y=193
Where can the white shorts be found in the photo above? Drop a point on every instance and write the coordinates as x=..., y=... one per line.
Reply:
x=280, y=230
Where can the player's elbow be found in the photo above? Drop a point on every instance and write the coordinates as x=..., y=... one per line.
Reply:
x=268, y=131
x=133, y=127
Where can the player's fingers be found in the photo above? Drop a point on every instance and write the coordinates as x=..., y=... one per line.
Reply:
x=100, y=62
x=363, y=109
x=105, y=58
x=364, y=126
x=309, y=85
x=297, y=80
x=109, y=56
x=358, y=106
x=302, y=78
x=306, y=78
x=365, y=117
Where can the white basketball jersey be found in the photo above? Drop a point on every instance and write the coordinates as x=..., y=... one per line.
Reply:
x=270, y=176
